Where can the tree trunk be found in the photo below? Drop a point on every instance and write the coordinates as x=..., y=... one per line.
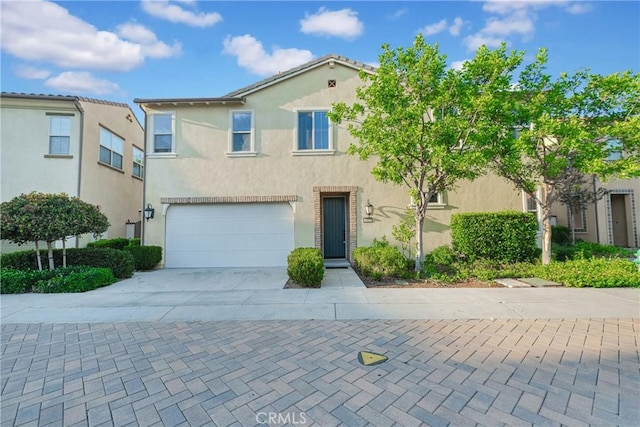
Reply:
x=419, y=244
x=50, y=255
x=38, y=257
x=571, y=226
x=64, y=253
x=546, y=236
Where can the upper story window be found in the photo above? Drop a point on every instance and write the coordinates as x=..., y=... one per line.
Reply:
x=313, y=131
x=138, y=162
x=111, y=148
x=163, y=131
x=242, y=132
x=614, y=148
x=59, y=134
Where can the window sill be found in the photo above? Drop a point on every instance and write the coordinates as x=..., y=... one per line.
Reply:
x=242, y=154
x=58, y=156
x=313, y=152
x=436, y=206
x=111, y=167
x=137, y=177
x=162, y=155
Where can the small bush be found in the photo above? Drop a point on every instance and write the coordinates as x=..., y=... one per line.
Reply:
x=590, y=250
x=560, y=234
x=562, y=252
x=17, y=281
x=442, y=256
x=591, y=272
x=117, y=243
x=499, y=236
x=76, y=279
x=305, y=267
x=381, y=260
x=120, y=262
x=134, y=242
x=145, y=257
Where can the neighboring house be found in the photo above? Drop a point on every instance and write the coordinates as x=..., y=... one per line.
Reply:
x=88, y=148
x=612, y=220
x=243, y=179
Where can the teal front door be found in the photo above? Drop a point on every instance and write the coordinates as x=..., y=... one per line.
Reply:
x=334, y=226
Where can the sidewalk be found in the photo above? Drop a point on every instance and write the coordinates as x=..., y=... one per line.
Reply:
x=167, y=296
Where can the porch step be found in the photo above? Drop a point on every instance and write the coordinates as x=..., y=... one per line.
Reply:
x=512, y=283
x=540, y=283
x=336, y=263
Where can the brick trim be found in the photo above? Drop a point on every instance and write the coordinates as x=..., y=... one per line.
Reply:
x=351, y=192
x=227, y=199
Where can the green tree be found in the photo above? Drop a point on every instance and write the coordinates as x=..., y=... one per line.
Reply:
x=575, y=125
x=38, y=217
x=426, y=124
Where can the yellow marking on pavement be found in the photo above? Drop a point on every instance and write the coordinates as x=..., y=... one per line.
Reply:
x=368, y=359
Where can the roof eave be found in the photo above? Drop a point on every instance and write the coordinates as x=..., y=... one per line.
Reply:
x=190, y=101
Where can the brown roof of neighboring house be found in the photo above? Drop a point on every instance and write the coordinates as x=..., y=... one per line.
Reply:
x=62, y=98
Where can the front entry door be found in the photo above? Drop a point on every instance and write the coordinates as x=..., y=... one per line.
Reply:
x=334, y=227
x=619, y=219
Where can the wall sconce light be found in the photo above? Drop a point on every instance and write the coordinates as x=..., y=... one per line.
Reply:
x=148, y=212
x=368, y=209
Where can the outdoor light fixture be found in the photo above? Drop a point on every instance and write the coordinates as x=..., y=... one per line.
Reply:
x=368, y=209
x=148, y=212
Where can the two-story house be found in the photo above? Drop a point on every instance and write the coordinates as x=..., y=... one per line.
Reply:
x=243, y=179
x=88, y=148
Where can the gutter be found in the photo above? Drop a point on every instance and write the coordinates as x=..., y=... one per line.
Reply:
x=144, y=182
x=80, y=143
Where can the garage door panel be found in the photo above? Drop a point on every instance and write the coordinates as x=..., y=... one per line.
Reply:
x=229, y=235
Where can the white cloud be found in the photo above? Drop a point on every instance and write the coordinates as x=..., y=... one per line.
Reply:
x=31, y=73
x=397, y=14
x=151, y=46
x=578, y=8
x=174, y=13
x=434, y=28
x=251, y=55
x=474, y=41
x=457, y=65
x=81, y=82
x=518, y=23
x=455, y=28
x=44, y=31
x=342, y=23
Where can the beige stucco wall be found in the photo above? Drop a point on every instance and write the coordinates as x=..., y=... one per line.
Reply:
x=117, y=192
x=202, y=167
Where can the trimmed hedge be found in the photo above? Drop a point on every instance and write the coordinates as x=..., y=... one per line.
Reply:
x=507, y=236
x=120, y=262
x=305, y=267
x=117, y=243
x=70, y=279
x=591, y=272
x=145, y=257
x=380, y=260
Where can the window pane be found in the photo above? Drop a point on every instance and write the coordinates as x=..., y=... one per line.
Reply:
x=434, y=198
x=305, y=128
x=138, y=156
x=614, y=148
x=60, y=126
x=59, y=145
x=105, y=155
x=117, y=144
x=242, y=122
x=105, y=138
x=137, y=170
x=162, y=144
x=321, y=124
x=117, y=161
x=162, y=124
x=241, y=142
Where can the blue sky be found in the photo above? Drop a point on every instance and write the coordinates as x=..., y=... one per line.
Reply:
x=120, y=50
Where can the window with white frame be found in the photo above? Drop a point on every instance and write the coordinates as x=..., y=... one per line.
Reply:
x=437, y=199
x=578, y=214
x=59, y=134
x=614, y=149
x=111, y=148
x=241, y=131
x=313, y=131
x=163, y=126
x=138, y=162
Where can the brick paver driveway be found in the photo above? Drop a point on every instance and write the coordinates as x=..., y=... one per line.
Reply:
x=439, y=372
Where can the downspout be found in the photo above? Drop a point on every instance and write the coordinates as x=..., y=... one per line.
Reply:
x=80, y=146
x=595, y=203
x=144, y=182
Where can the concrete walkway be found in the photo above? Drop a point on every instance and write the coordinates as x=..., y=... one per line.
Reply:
x=258, y=294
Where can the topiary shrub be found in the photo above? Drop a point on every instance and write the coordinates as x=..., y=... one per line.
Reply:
x=76, y=279
x=560, y=235
x=507, y=236
x=117, y=243
x=145, y=257
x=305, y=267
x=120, y=262
x=380, y=260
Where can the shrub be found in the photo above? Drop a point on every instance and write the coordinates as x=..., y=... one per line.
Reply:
x=117, y=243
x=145, y=257
x=121, y=263
x=562, y=252
x=590, y=249
x=380, y=260
x=17, y=281
x=76, y=279
x=499, y=236
x=134, y=242
x=560, y=234
x=442, y=256
x=305, y=267
x=592, y=272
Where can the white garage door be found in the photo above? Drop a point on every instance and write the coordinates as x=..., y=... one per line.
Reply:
x=229, y=235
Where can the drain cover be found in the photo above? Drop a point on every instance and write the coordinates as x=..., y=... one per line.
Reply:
x=368, y=359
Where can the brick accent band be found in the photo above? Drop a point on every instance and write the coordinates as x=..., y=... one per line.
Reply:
x=227, y=199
